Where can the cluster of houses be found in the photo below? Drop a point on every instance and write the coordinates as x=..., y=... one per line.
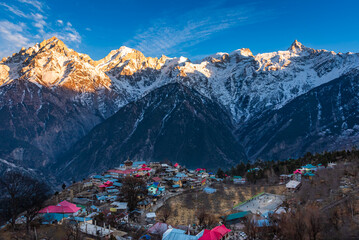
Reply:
x=293, y=181
x=102, y=194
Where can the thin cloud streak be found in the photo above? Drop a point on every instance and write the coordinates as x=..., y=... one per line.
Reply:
x=31, y=27
x=174, y=35
x=13, y=33
x=36, y=4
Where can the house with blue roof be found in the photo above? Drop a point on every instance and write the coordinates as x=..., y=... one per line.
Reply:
x=181, y=175
x=117, y=184
x=113, y=190
x=97, y=177
x=138, y=164
x=309, y=167
x=178, y=234
x=177, y=181
x=262, y=223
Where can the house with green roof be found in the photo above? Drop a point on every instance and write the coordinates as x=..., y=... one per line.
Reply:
x=235, y=217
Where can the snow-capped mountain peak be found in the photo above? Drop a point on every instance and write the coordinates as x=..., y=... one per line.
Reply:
x=296, y=46
x=246, y=52
x=245, y=84
x=52, y=64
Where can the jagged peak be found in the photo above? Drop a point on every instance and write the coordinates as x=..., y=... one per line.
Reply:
x=246, y=52
x=182, y=59
x=122, y=51
x=296, y=46
x=54, y=41
x=115, y=54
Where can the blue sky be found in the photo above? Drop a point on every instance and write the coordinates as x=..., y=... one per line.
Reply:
x=179, y=28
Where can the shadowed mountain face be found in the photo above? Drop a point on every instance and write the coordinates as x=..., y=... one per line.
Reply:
x=324, y=119
x=48, y=122
x=170, y=123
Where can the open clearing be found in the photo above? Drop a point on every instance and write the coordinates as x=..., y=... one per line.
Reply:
x=220, y=203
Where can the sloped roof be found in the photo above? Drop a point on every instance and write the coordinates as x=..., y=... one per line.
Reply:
x=216, y=233
x=209, y=190
x=127, y=171
x=62, y=207
x=309, y=166
x=106, y=184
x=177, y=234
x=292, y=184
x=58, y=209
x=151, y=215
x=159, y=228
x=237, y=215
x=156, y=179
x=181, y=175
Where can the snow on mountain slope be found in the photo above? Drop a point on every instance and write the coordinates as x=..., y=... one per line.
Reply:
x=51, y=64
x=245, y=84
x=248, y=84
x=50, y=96
x=324, y=119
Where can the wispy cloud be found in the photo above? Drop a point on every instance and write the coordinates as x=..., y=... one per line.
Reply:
x=36, y=4
x=13, y=33
x=14, y=10
x=173, y=35
x=25, y=22
x=68, y=34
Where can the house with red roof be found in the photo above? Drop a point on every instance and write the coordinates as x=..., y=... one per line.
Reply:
x=62, y=207
x=217, y=233
x=105, y=185
x=156, y=179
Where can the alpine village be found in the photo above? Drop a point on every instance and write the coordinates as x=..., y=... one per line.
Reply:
x=139, y=145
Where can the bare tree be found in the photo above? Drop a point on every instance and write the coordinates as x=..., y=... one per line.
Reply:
x=210, y=221
x=73, y=231
x=314, y=222
x=201, y=216
x=166, y=212
x=134, y=189
x=250, y=228
x=34, y=202
x=188, y=200
x=21, y=193
x=292, y=225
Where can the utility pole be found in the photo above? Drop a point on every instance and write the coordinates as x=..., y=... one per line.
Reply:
x=35, y=233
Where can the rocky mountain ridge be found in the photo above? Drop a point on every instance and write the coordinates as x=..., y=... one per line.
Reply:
x=51, y=96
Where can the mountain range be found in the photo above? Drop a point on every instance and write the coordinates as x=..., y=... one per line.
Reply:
x=61, y=111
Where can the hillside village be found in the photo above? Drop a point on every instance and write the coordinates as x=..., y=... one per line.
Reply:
x=140, y=200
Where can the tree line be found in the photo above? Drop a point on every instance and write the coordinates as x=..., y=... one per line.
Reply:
x=271, y=170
